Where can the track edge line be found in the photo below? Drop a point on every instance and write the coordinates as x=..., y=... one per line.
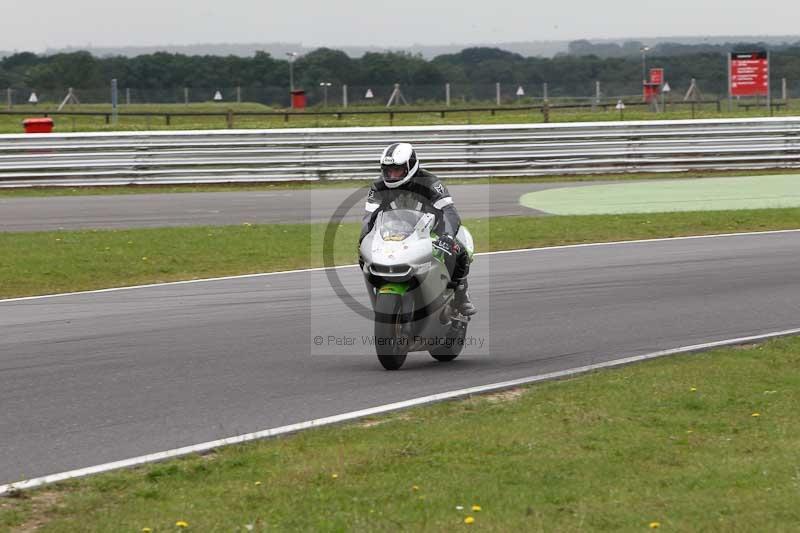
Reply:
x=318, y=269
x=381, y=409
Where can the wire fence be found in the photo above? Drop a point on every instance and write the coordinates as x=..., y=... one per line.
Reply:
x=362, y=95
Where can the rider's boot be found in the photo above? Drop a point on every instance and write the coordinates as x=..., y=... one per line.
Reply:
x=461, y=299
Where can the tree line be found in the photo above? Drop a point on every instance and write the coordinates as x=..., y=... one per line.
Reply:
x=566, y=75
x=584, y=47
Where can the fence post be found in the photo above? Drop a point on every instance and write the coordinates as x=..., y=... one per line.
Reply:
x=544, y=92
x=447, y=94
x=8, y=97
x=128, y=96
x=344, y=96
x=497, y=92
x=769, y=89
x=546, y=112
x=229, y=118
x=114, y=100
x=185, y=96
x=783, y=89
x=597, y=93
x=238, y=94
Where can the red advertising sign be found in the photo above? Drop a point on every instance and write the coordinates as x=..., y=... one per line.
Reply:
x=651, y=91
x=657, y=76
x=749, y=74
x=652, y=87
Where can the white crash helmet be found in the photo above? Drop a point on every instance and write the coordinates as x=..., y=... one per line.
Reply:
x=398, y=164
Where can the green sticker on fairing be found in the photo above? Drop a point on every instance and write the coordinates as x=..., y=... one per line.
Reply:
x=437, y=253
x=394, y=288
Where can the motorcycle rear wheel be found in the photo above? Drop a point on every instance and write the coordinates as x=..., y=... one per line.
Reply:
x=446, y=353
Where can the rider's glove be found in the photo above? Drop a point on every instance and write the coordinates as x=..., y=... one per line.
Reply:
x=447, y=244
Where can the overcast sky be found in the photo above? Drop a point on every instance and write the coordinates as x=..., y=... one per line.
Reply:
x=37, y=25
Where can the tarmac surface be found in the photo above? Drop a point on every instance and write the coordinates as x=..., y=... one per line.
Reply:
x=91, y=378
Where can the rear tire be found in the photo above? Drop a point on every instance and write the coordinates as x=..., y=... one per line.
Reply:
x=391, y=344
x=455, y=337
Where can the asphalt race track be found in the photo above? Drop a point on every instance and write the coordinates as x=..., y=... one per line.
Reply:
x=226, y=208
x=473, y=200
x=97, y=377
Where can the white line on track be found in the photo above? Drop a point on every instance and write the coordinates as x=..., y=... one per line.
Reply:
x=292, y=428
x=281, y=272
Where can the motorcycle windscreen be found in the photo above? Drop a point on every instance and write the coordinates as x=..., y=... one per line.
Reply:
x=398, y=224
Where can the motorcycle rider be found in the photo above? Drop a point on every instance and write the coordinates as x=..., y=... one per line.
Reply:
x=404, y=185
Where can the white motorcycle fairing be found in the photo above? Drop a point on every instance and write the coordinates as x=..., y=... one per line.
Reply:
x=409, y=287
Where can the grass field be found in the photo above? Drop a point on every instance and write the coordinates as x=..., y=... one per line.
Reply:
x=64, y=261
x=702, y=442
x=13, y=123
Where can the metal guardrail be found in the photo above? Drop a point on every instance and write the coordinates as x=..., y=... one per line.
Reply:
x=81, y=159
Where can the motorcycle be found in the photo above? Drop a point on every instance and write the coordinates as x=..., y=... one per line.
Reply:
x=411, y=289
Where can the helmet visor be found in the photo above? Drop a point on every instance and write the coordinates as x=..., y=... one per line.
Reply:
x=393, y=173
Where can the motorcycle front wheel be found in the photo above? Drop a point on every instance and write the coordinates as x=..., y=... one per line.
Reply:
x=391, y=343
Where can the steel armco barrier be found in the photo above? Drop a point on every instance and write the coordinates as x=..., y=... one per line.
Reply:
x=80, y=159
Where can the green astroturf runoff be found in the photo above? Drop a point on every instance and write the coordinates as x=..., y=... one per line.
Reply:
x=707, y=194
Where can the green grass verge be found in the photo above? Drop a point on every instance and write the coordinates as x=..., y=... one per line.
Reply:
x=197, y=107
x=673, y=442
x=509, y=115
x=233, y=187
x=63, y=261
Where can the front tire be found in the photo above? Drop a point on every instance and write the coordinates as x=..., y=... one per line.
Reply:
x=391, y=343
